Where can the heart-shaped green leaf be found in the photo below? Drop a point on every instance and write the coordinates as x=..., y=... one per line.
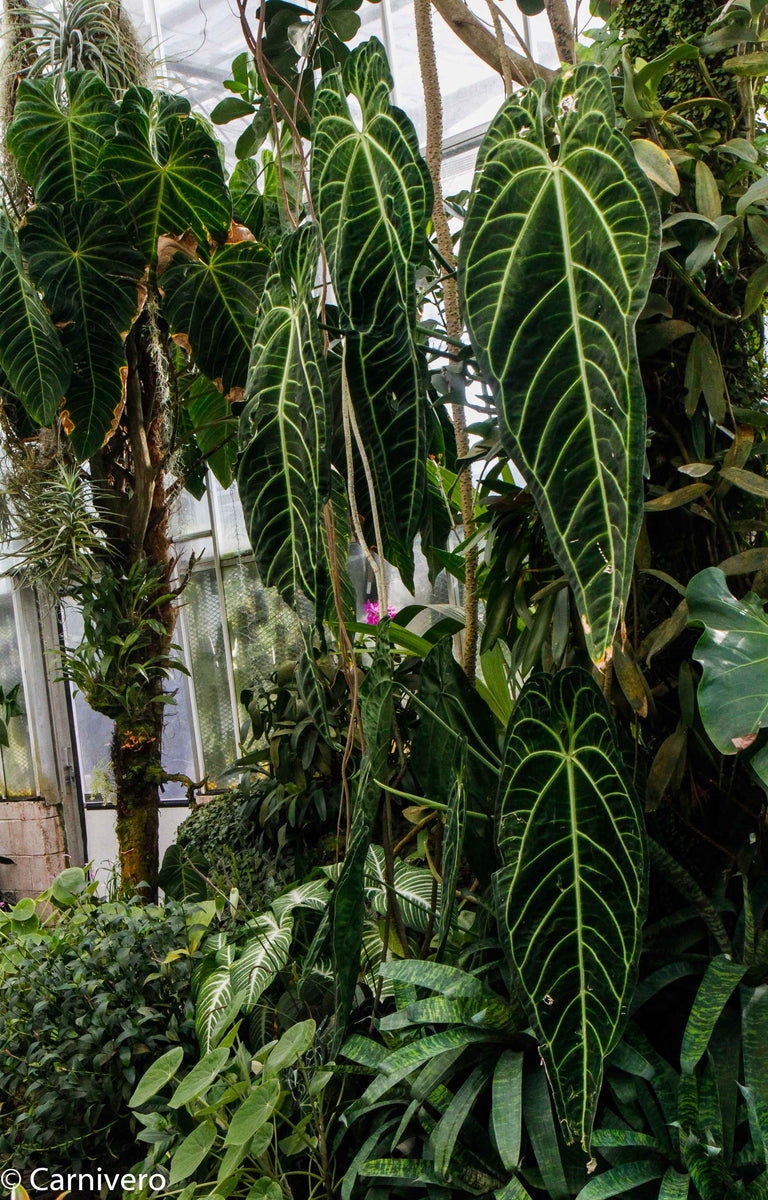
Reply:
x=164, y=168
x=31, y=354
x=571, y=895
x=215, y=303
x=284, y=474
x=56, y=143
x=81, y=260
x=557, y=254
x=733, y=652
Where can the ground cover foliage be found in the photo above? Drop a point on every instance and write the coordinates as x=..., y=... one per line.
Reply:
x=523, y=950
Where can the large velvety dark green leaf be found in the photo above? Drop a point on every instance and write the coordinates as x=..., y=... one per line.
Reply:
x=284, y=474
x=163, y=168
x=216, y=303
x=348, y=906
x=56, y=144
x=31, y=354
x=450, y=710
x=88, y=273
x=373, y=196
x=571, y=896
x=557, y=254
x=733, y=652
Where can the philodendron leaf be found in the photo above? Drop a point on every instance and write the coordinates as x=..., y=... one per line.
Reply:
x=56, y=142
x=571, y=895
x=31, y=353
x=284, y=472
x=373, y=196
x=88, y=272
x=557, y=254
x=164, y=169
x=265, y=953
x=733, y=652
x=214, y=426
x=215, y=303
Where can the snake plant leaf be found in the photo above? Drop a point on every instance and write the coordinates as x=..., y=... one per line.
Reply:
x=721, y=979
x=347, y=906
x=31, y=353
x=164, y=170
x=557, y=254
x=284, y=473
x=733, y=652
x=89, y=275
x=453, y=846
x=56, y=142
x=215, y=304
x=571, y=894
x=373, y=196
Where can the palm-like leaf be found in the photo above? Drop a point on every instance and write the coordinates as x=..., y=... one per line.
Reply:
x=572, y=893
x=215, y=303
x=81, y=261
x=557, y=254
x=31, y=354
x=373, y=196
x=56, y=145
x=284, y=472
x=165, y=170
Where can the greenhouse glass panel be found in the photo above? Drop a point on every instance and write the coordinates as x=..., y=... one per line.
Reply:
x=17, y=775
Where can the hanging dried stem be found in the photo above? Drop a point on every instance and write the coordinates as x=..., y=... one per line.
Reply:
x=506, y=70
x=434, y=154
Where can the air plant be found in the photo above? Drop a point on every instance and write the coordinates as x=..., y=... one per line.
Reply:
x=10, y=708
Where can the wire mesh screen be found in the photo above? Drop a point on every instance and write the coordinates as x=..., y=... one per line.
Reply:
x=17, y=776
x=263, y=631
x=210, y=678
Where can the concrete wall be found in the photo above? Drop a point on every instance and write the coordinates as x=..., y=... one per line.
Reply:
x=32, y=834
x=102, y=842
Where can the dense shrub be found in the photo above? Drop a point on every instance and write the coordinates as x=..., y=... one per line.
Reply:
x=87, y=1002
x=227, y=838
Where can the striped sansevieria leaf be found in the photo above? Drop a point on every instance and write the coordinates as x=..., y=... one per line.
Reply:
x=88, y=273
x=31, y=354
x=372, y=195
x=56, y=140
x=215, y=303
x=557, y=253
x=164, y=170
x=284, y=472
x=571, y=895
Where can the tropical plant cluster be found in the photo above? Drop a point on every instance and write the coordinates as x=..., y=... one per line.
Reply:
x=523, y=953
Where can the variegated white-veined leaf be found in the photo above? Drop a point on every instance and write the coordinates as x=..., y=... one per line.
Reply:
x=81, y=261
x=31, y=353
x=284, y=472
x=162, y=171
x=373, y=196
x=571, y=896
x=215, y=303
x=413, y=889
x=264, y=953
x=216, y=1005
x=557, y=255
x=56, y=139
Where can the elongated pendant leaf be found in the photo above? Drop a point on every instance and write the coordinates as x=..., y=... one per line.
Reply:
x=284, y=472
x=31, y=354
x=373, y=195
x=81, y=261
x=56, y=143
x=571, y=895
x=557, y=255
